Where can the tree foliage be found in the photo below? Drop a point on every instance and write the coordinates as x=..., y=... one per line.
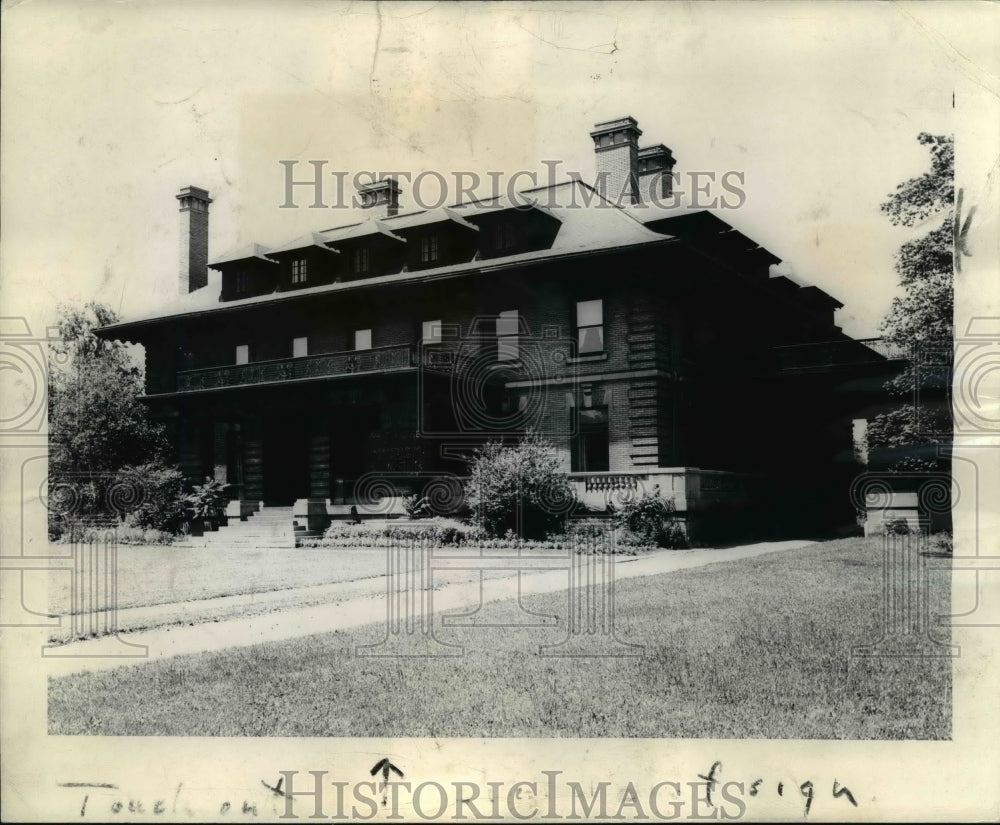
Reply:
x=921, y=319
x=928, y=194
x=98, y=427
x=923, y=314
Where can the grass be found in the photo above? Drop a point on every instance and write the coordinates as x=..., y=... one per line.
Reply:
x=757, y=648
x=163, y=574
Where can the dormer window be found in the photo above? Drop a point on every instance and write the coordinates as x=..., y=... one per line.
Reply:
x=299, y=271
x=504, y=236
x=429, y=249
x=242, y=285
x=361, y=261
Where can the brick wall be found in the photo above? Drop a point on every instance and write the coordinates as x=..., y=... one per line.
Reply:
x=193, y=261
x=619, y=165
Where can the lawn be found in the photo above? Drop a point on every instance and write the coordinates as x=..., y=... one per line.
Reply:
x=757, y=648
x=151, y=575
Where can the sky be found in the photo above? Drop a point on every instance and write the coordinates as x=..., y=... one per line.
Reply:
x=109, y=109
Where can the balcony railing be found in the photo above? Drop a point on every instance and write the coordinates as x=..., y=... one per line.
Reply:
x=353, y=362
x=847, y=352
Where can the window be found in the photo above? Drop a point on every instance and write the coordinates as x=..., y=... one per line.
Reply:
x=589, y=452
x=859, y=433
x=503, y=236
x=299, y=271
x=590, y=326
x=507, y=333
x=431, y=332
x=300, y=347
x=428, y=249
x=243, y=354
x=361, y=261
x=362, y=339
x=242, y=283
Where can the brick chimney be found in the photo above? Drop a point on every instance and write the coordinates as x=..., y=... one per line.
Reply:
x=656, y=164
x=616, y=149
x=380, y=198
x=193, y=273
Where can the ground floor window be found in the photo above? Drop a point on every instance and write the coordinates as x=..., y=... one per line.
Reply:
x=591, y=444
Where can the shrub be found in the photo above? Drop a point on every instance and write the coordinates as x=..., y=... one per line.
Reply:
x=524, y=480
x=159, y=493
x=942, y=543
x=586, y=538
x=896, y=527
x=123, y=533
x=650, y=521
x=443, y=532
x=207, y=500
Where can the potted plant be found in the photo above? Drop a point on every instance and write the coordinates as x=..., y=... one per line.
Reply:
x=206, y=504
x=416, y=506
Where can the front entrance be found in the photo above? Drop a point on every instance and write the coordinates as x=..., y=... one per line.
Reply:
x=286, y=460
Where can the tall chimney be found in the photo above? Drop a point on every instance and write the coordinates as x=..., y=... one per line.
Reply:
x=380, y=198
x=193, y=273
x=656, y=165
x=616, y=147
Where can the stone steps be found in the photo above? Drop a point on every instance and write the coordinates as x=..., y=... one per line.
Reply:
x=269, y=527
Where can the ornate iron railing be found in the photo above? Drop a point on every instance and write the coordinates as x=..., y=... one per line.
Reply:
x=848, y=351
x=353, y=362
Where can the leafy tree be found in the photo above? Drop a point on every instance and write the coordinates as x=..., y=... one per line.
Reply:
x=98, y=427
x=519, y=488
x=921, y=320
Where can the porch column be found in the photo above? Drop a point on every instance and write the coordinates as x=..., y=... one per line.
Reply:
x=319, y=457
x=220, y=451
x=189, y=442
x=253, y=459
x=316, y=517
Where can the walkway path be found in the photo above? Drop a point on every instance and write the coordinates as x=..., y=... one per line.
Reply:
x=201, y=626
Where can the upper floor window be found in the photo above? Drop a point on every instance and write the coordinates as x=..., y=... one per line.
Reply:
x=504, y=236
x=362, y=339
x=243, y=354
x=431, y=332
x=300, y=347
x=361, y=261
x=429, y=249
x=507, y=336
x=242, y=283
x=590, y=326
x=299, y=271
